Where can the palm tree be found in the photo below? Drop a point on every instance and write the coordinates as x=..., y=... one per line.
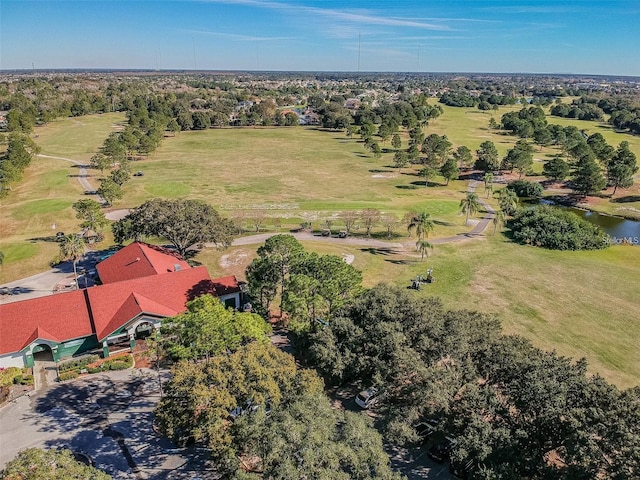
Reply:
x=423, y=247
x=72, y=248
x=498, y=219
x=422, y=224
x=470, y=205
x=508, y=201
x=488, y=179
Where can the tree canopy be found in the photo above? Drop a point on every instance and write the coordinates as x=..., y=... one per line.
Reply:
x=209, y=328
x=200, y=396
x=517, y=411
x=39, y=464
x=184, y=223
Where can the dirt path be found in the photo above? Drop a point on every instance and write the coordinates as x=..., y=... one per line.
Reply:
x=82, y=175
x=370, y=242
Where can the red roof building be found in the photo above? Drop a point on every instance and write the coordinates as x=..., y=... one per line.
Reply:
x=134, y=300
x=139, y=260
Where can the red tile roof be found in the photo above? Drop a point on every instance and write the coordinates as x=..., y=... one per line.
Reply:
x=112, y=305
x=139, y=260
x=60, y=317
x=104, y=309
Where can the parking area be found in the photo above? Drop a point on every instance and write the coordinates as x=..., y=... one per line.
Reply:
x=107, y=417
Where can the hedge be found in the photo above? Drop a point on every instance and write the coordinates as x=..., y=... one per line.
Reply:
x=68, y=375
x=77, y=363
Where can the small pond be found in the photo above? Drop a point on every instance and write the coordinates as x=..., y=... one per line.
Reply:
x=618, y=228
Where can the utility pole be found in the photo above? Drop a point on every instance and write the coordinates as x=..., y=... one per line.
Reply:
x=359, y=37
x=194, y=52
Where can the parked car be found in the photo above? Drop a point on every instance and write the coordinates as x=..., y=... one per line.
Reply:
x=249, y=407
x=440, y=451
x=426, y=428
x=367, y=398
x=462, y=470
x=139, y=174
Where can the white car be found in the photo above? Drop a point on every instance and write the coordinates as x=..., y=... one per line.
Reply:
x=367, y=398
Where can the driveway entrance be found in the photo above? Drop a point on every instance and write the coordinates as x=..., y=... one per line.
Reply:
x=45, y=372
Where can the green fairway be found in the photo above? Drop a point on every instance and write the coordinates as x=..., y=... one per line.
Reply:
x=78, y=138
x=289, y=172
x=580, y=303
x=43, y=198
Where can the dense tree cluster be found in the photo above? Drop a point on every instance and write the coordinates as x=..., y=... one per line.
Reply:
x=310, y=286
x=557, y=229
x=525, y=189
x=261, y=416
x=579, y=110
x=517, y=412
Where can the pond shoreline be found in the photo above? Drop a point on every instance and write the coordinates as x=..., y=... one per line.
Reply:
x=564, y=201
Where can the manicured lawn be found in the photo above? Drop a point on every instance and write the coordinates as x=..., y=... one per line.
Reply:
x=579, y=303
x=77, y=138
x=290, y=172
x=44, y=197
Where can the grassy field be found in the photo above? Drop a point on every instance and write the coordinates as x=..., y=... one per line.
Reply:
x=43, y=199
x=582, y=304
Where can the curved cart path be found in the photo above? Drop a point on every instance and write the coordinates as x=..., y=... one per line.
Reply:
x=82, y=175
x=44, y=283
x=370, y=242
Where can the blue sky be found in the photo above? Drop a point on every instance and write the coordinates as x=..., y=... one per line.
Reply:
x=536, y=36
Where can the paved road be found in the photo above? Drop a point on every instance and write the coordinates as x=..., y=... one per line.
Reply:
x=108, y=417
x=45, y=283
x=82, y=175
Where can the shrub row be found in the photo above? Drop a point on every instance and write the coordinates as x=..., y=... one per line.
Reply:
x=77, y=363
x=15, y=376
x=69, y=375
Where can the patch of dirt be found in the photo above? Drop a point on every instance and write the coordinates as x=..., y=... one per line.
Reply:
x=117, y=214
x=379, y=175
x=348, y=258
x=233, y=259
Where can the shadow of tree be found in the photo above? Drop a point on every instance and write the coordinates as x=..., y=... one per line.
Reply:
x=626, y=199
x=378, y=251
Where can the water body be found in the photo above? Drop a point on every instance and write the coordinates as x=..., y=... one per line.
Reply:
x=619, y=229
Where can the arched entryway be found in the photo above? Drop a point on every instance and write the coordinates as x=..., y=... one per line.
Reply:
x=44, y=366
x=42, y=353
x=143, y=330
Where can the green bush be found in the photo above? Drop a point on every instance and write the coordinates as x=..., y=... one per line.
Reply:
x=64, y=376
x=118, y=366
x=556, y=229
x=525, y=189
x=77, y=363
x=95, y=369
x=119, y=363
x=27, y=380
x=8, y=374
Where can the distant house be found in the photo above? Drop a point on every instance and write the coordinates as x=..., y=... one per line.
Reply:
x=142, y=284
x=352, y=103
x=309, y=117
